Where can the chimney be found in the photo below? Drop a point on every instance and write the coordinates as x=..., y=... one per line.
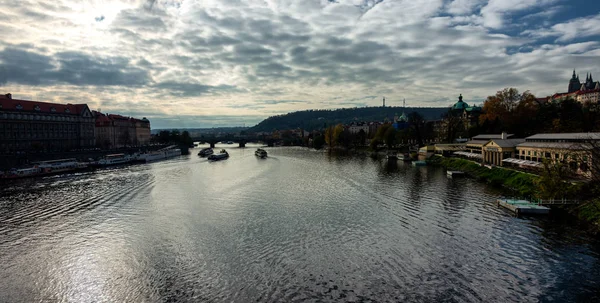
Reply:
x=504, y=135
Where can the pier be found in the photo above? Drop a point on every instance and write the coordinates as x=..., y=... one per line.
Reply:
x=523, y=207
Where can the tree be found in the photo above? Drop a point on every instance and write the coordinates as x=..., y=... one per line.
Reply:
x=186, y=139
x=417, y=125
x=390, y=137
x=332, y=135
x=318, y=142
x=551, y=183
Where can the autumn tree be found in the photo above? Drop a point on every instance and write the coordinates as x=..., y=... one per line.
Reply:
x=332, y=135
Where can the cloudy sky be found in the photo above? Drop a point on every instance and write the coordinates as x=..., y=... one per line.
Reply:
x=202, y=63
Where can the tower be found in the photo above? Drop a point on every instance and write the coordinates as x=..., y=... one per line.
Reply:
x=574, y=84
x=383, y=101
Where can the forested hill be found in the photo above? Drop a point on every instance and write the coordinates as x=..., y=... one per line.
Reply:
x=316, y=119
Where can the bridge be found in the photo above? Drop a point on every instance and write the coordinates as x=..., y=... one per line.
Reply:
x=240, y=140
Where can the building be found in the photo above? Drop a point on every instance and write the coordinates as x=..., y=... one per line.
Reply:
x=356, y=127
x=583, y=92
x=41, y=126
x=474, y=148
x=115, y=131
x=495, y=151
x=469, y=114
x=573, y=149
x=401, y=122
x=373, y=126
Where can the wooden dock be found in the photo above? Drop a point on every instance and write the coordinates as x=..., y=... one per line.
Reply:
x=523, y=207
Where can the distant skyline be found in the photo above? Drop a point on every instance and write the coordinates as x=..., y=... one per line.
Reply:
x=195, y=64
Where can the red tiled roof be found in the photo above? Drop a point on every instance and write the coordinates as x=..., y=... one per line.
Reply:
x=36, y=106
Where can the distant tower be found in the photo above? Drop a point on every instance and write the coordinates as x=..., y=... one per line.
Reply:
x=383, y=101
x=403, y=103
x=574, y=84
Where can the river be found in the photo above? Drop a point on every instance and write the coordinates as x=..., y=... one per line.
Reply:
x=300, y=225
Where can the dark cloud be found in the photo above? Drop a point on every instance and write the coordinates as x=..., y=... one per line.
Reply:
x=24, y=67
x=99, y=19
x=184, y=89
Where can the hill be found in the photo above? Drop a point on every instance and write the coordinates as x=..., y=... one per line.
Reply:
x=316, y=119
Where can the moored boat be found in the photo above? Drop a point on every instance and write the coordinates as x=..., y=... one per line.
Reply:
x=60, y=166
x=392, y=156
x=22, y=173
x=114, y=159
x=261, y=153
x=161, y=154
x=222, y=155
x=45, y=168
x=205, y=152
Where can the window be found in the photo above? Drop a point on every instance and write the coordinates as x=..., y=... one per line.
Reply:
x=52, y=109
x=37, y=108
x=19, y=106
x=528, y=153
x=67, y=110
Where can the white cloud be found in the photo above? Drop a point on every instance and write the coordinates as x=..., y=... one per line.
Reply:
x=495, y=12
x=577, y=28
x=220, y=58
x=463, y=7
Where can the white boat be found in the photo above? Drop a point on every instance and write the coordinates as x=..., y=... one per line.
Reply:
x=58, y=166
x=392, y=156
x=114, y=159
x=159, y=155
x=261, y=153
x=22, y=173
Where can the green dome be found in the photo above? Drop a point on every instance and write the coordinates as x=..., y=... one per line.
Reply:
x=403, y=118
x=460, y=105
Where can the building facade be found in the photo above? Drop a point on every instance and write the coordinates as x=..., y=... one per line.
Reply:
x=572, y=149
x=40, y=126
x=116, y=131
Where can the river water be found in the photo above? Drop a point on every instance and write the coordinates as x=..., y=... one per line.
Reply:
x=300, y=225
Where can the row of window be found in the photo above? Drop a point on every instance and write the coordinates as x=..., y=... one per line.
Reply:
x=17, y=116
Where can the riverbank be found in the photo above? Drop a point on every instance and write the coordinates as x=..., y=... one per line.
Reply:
x=523, y=184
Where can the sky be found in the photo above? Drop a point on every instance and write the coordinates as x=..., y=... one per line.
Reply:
x=205, y=63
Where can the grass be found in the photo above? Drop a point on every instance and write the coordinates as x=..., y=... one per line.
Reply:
x=521, y=183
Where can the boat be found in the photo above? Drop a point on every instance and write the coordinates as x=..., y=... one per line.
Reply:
x=205, y=152
x=392, y=156
x=419, y=163
x=22, y=173
x=222, y=155
x=161, y=154
x=261, y=153
x=60, y=166
x=45, y=168
x=114, y=159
